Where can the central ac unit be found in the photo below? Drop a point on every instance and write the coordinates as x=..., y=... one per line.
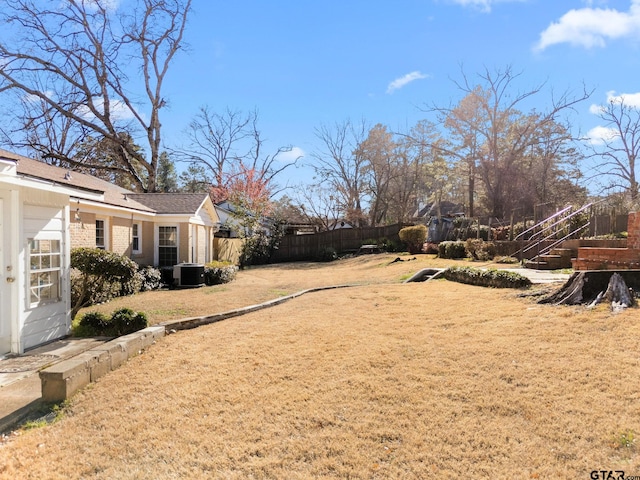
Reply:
x=188, y=275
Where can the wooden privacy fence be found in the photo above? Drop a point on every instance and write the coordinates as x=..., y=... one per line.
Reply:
x=343, y=240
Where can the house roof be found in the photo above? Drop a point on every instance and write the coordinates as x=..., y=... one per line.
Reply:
x=113, y=194
x=159, y=203
x=446, y=208
x=171, y=203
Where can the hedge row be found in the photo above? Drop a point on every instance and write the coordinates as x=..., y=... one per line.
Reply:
x=487, y=278
x=472, y=248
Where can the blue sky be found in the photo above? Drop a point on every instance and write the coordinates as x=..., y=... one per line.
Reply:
x=305, y=64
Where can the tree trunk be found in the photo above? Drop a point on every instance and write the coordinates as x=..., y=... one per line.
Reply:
x=591, y=288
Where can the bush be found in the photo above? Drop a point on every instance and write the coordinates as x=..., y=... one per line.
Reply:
x=100, y=276
x=216, y=273
x=126, y=321
x=452, y=250
x=414, y=237
x=259, y=247
x=480, y=250
x=150, y=278
x=389, y=245
x=121, y=322
x=487, y=278
x=91, y=292
x=91, y=324
x=430, y=248
x=327, y=254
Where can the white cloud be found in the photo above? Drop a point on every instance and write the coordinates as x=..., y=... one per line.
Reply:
x=600, y=135
x=398, y=83
x=482, y=5
x=290, y=156
x=118, y=110
x=33, y=99
x=629, y=99
x=591, y=27
x=109, y=5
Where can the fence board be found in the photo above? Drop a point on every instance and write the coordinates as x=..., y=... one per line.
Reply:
x=343, y=240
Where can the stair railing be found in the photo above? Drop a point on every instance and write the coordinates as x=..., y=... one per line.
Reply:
x=537, y=235
x=542, y=222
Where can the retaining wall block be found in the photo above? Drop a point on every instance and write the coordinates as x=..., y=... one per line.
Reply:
x=116, y=352
x=63, y=379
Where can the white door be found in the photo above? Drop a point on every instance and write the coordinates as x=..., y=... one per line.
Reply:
x=5, y=297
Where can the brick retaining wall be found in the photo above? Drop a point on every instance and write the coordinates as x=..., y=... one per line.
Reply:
x=591, y=258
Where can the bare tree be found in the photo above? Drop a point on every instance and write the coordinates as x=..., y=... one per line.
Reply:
x=229, y=146
x=319, y=205
x=341, y=167
x=620, y=146
x=73, y=66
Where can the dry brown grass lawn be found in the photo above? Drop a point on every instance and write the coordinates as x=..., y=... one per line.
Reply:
x=384, y=380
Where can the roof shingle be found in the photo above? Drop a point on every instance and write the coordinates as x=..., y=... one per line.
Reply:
x=171, y=203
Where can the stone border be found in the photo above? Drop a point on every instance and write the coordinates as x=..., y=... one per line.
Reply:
x=61, y=380
x=193, y=322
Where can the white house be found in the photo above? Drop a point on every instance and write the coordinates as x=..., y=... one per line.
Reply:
x=34, y=259
x=45, y=211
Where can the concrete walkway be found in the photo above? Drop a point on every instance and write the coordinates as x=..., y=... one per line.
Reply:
x=20, y=386
x=540, y=276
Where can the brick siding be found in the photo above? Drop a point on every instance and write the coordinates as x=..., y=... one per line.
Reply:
x=83, y=231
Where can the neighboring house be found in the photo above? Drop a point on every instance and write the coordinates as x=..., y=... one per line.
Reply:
x=446, y=208
x=229, y=226
x=45, y=211
x=339, y=224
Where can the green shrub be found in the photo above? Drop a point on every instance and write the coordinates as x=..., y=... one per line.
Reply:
x=216, y=273
x=414, y=237
x=480, y=250
x=91, y=292
x=452, y=250
x=121, y=322
x=487, y=278
x=259, y=247
x=389, y=245
x=100, y=276
x=125, y=320
x=327, y=254
x=91, y=324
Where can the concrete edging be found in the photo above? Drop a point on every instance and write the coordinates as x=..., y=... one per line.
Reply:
x=61, y=380
x=193, y=322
